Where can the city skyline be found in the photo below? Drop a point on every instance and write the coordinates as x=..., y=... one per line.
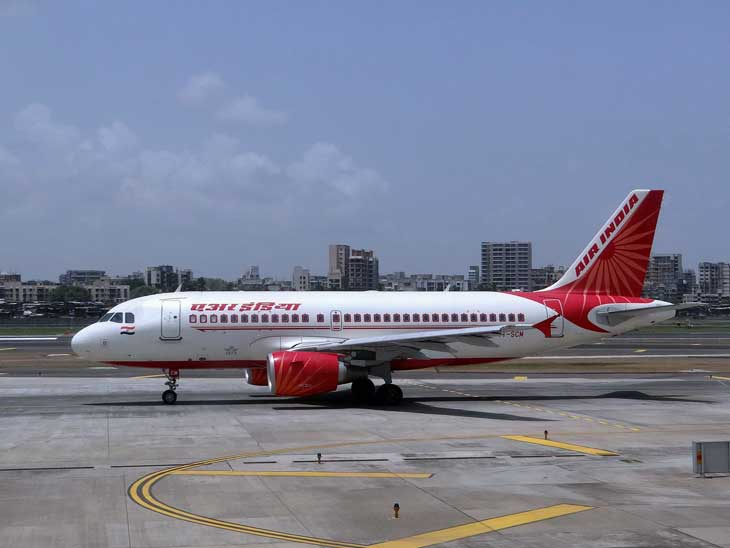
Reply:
x=285, y=128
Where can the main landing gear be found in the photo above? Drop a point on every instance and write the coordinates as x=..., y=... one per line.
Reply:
x=364, y=391
x=170, y=396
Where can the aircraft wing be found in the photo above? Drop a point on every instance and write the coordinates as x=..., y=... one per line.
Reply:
x=414, y=342
x=616, y=317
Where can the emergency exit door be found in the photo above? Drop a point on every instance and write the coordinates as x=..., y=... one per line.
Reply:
x=170, y=321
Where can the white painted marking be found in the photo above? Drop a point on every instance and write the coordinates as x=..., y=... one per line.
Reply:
x=18, y=339
x=55, y=355
x=626, y=357
x=101, y=367
x=2, y=349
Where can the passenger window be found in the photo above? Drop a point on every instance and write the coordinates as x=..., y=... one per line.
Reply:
x=214, y=318
x=386, y=318
x=444, y=317
x=295, y=318
x=335, y=318
x=376, y=318
x=203, y=318
x=305, y=318
x=511, y=317
x=482, y=317
x=416, y=317
x=502, y=318
x=264, y=318
x=424, y=317
x=520, y=317
x=320, y=318
x=192, y=318
x=117, y=318
x=358, y=318
x=454, y=317
x=367, y=318
x=254, y=318
x=285, y=318
x=396, y=317
x=348, y=318
x=244, y=318
x=434, y=317
x=464, y=318
x=105, y=317
x=274, y=318
x=492, y=317
x=234, y=318
x=128, y=317
x=224, y=318
x=473, y=317
x=406, y=317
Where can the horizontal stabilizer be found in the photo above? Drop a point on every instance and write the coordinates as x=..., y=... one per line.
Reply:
x=616, y=317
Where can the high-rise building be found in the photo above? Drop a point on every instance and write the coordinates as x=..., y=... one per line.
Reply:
x=714, y=278
x=339, y=260
x=167, y=278
x=300, y=279
x=362, y=270
x=545, y=276
x=665, y=277
x=251, y=273
x=506, y=265
x=473, y=276
x=81, y=277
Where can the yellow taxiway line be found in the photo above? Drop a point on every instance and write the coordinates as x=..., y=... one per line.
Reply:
x=718, y=377
x=140, y=491
x=561, y=445
x=292, y=474
x=480, y=527
x=3, y=349
x=155, y=376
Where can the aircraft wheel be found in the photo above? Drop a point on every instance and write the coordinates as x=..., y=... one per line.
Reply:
x=389, y=394
x=169, y=396
x=362, y=390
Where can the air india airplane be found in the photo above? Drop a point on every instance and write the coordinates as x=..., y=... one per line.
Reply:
x=306, y=343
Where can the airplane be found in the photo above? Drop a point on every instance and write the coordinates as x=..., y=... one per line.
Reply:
x=308, y=343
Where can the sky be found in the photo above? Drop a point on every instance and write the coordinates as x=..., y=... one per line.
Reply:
x=217, y=135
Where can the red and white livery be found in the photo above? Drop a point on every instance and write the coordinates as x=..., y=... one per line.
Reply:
x=305, y=343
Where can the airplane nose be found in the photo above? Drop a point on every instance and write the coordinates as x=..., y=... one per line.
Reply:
x=80, y=343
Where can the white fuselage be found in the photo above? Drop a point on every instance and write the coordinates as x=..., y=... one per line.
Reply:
x=239, y=329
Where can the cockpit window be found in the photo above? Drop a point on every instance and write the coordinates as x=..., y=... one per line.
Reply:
x=105, y=317
x=117, y=318
x=128, y=317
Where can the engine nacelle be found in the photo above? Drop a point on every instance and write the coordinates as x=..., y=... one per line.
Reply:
x=257, y=377
x=292, y=373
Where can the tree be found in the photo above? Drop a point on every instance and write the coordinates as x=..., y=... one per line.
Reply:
x=66, y=293
x=142, y=291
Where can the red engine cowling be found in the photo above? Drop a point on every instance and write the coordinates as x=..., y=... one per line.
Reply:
x=292, y=373
x=257, y=377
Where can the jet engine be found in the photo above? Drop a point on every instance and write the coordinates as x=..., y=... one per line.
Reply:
x=292, y=373
x=257, y=377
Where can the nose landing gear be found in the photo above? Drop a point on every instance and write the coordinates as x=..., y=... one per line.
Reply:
x=170, y=396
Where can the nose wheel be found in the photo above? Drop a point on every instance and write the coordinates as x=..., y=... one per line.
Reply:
x=169, y=396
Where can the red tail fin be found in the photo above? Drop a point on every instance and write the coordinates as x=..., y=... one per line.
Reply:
x=615, y=261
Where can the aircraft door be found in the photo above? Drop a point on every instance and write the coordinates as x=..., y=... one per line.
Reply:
x=336, y=320
x=552, y=307
x=170, y=321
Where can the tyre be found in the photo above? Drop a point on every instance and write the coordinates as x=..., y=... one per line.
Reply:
x=169, y=397
x=362, y=390
x=389, y=394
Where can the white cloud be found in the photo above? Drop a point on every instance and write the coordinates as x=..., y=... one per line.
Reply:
x=35, y=122
x=246, y=110
x=324, y=165
x=201, y=87
x=116, y=137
